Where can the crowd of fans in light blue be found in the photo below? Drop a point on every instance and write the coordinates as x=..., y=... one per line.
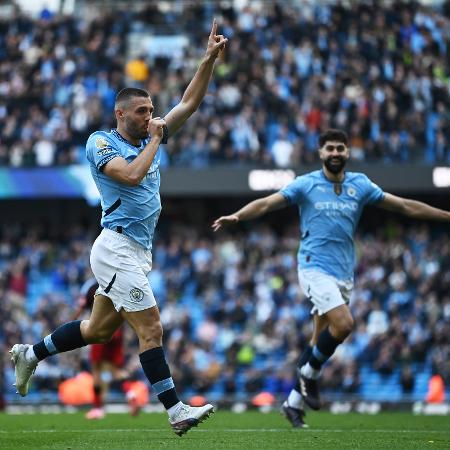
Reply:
x=234, y=317
x=379, y=71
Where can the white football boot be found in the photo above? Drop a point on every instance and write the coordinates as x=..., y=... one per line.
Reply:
x=23, y=367
x=189, y=416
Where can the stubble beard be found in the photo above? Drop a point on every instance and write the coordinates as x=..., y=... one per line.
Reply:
x=135, y=132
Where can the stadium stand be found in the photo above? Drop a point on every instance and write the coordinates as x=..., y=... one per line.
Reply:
x=234, y=316
x=377, y=70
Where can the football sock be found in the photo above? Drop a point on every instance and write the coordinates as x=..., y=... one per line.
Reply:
x=64, y=338
x=303, y=360
x=98, y=401
x=308, y=372
x=322, y=351
x=158, y=373
x=294, y=399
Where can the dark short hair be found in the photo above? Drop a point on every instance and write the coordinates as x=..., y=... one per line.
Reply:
x=129, y=92
x=333, y=135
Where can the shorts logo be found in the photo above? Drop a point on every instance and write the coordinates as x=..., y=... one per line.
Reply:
x=136, y=295
x=351, y=192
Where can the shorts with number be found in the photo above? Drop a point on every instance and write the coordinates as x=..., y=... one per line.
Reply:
x=121, y=267
x=324, y=291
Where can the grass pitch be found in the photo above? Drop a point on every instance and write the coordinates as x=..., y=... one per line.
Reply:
x=225, y=430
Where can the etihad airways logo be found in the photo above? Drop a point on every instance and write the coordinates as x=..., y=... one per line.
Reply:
x=336, y=206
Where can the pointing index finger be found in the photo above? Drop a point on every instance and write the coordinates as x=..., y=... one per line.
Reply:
x=213, y=28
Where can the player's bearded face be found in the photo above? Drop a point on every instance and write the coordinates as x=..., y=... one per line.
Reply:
x=335, y=164
x=335, y=156
x=136, y=115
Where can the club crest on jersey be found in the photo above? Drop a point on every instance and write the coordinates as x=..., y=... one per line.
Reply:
x=101, y=143
x=338, y=188
x=136, y=295
x=351, y=192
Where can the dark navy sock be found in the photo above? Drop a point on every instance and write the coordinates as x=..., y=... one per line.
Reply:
x=322, y=351
x=303, y=360
x=158, y=373
x=65, y=338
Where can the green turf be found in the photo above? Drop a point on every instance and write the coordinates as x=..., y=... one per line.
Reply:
x=225, y=430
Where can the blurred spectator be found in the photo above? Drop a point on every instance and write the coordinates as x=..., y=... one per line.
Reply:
x=377, y=321
x=137, y=70
x=381, y=71
x=232, y=308
x=436, y=390
x=407, y=380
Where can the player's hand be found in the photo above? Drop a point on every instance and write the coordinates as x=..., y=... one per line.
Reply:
x=156, y=127
x=224, y=221
x=216, y=42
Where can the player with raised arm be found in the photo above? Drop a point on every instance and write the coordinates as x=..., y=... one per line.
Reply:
x=125, y=166
x=330, y=203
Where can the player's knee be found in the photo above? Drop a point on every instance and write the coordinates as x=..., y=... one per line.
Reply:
x=157, y=330
x=346, y=326
x=341, y=328
x=151, y=336
x=97, y=336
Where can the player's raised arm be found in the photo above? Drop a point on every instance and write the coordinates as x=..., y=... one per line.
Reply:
x=252, y=210
x=196, y=90
x=413, y=208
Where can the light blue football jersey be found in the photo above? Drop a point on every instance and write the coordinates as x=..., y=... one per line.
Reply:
x=134, y=208
x=328, y=220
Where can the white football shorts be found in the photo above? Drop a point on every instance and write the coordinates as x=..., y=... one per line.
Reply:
x=121, y=267
x=324, y=291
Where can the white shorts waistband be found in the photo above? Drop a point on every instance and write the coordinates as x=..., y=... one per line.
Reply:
x=120, y=236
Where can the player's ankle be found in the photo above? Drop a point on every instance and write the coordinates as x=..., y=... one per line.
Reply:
x=173, y=410
x=30, y=356
x=309, y=372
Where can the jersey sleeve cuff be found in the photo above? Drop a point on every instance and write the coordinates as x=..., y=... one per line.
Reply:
x=101, y=164
x=286, y=196
x=165, y=137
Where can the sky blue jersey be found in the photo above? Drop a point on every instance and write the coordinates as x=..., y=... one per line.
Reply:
x=134, y=208
x=328, y=220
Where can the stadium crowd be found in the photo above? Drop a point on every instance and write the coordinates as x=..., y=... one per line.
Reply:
x=379, y=71
x=235, y=319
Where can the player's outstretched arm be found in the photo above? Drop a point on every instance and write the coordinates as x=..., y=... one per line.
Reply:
x=413, y=208
x=196, y=90
x=252, y=210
